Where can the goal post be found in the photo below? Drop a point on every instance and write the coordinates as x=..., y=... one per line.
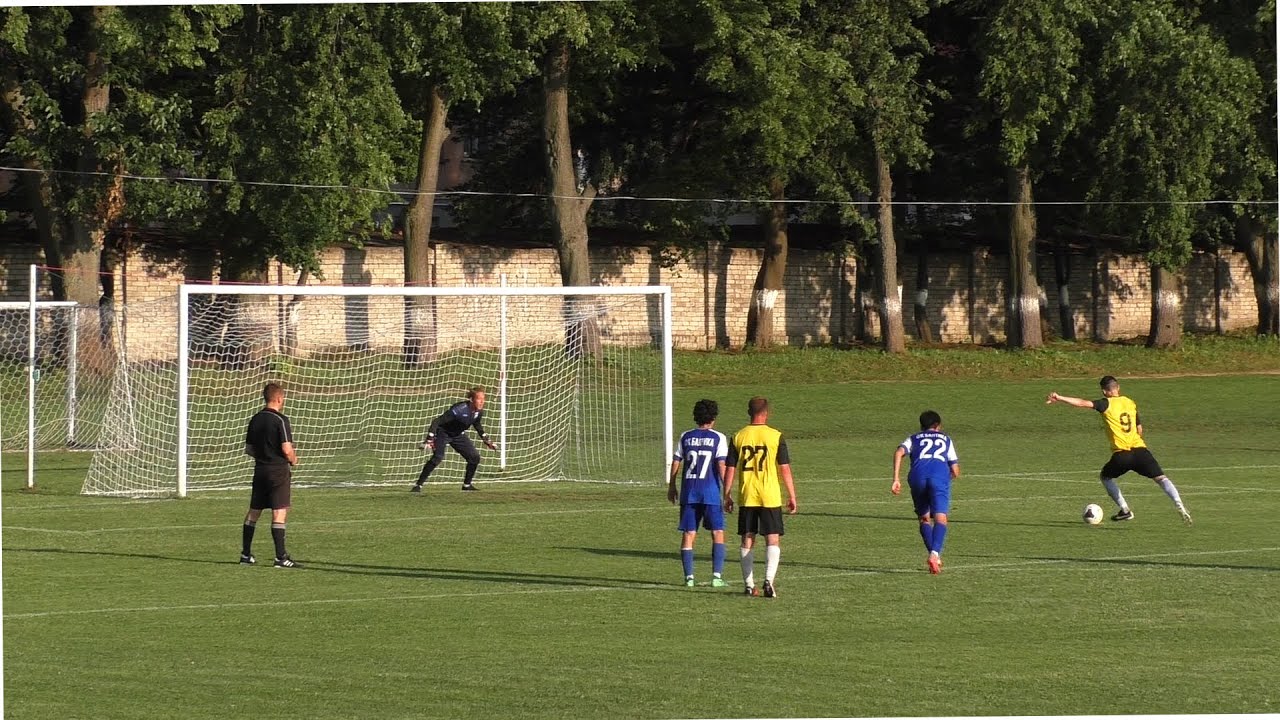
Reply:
x=578, y=379
x=40, y=389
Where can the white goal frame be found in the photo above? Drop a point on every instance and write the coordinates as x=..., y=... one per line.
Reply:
x=33, y=306
x=186, y=291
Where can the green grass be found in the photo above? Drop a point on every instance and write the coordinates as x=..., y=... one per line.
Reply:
x=564, y=600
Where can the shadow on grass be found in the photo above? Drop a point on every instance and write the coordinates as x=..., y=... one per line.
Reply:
x=420, y=573
x=730, y=562
x=1154, y=562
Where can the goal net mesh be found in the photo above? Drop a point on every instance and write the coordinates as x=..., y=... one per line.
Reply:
x=574, y=386
x=74, y=365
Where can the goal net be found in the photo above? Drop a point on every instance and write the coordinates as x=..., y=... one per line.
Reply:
x=578, y=383
x=56, y=367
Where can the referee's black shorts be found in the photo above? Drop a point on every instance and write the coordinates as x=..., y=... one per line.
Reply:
x=1139, y=460
x=271, y=484
x=760, y=520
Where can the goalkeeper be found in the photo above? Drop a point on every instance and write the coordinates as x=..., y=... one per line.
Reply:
x=450, y=429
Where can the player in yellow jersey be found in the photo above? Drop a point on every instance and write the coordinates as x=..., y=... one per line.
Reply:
x=1129, y=451
x=758, y=455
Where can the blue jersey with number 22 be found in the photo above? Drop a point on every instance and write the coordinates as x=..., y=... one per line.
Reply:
x=932, y=455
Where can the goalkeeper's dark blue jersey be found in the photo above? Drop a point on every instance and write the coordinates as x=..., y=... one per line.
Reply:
x=456, y=420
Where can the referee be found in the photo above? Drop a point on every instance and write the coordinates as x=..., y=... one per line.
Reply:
x=269, y=441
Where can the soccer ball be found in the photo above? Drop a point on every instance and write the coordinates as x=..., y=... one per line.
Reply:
x=1092, y=514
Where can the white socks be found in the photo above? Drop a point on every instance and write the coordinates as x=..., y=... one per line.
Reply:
x=748, y=566
x=1114, y=491
x=1167, y=485
x=772, y=554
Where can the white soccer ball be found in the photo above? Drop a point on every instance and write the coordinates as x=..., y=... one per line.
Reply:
x=1092, y=514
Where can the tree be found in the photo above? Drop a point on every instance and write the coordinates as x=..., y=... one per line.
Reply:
x=776, y=81
x=1169, y=121
x=885, y=48
x=1249, y=29
x=1036, y=77
x=443, y=55
x=88, y=97
x=297, y=108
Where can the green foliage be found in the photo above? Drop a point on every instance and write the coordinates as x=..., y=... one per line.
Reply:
x=1174, y=112
x=303, y=96
x=1037, y=73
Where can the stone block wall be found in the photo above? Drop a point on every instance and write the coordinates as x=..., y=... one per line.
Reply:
x=712, y=290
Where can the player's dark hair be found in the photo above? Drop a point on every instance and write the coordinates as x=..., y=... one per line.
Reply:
x=471, y=394
x=272, y=392
x=756, y=405
x=1108, y=382
x=705, y=411
x=929, y=420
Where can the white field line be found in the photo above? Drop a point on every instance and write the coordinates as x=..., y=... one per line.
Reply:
x=951, y=569
x=1049, y=475
x=654, y=507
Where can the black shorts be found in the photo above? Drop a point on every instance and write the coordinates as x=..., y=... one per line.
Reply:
x=760, y=520
x=270, y=487
x=1139, y=460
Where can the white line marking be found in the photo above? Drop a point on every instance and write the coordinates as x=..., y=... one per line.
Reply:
x=657, y=507
x=951, y=569
x=106, y=503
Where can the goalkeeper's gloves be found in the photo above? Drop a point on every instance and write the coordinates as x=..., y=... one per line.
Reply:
x=428, y=444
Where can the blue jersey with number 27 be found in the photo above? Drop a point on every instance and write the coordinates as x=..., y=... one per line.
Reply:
x=698, y=450
x=932, y=454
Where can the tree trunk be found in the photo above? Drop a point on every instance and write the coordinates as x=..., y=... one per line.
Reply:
x=1264, y=267
x=866, y=296
x=569, y=205
x=1022, y=327
x=924, y=332
x=1166, y=308
x=892, y=335
x=82, y=255
x=419, y=312
x=1062, y=271
x=773, y=267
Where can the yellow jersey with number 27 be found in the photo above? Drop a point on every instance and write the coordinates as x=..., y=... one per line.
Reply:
x=756, y=452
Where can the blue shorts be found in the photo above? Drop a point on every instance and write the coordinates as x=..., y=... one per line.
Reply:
x=930, y=495
x=709, y=515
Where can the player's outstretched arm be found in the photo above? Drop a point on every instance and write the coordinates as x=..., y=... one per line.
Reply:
x=1054, y=397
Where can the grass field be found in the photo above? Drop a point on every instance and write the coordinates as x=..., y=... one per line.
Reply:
x=564, y=600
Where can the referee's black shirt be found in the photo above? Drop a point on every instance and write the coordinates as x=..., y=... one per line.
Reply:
x=268, y=430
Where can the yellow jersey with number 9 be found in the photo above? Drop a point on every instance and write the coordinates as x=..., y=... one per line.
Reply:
x=756, y=452
x=1120, y=418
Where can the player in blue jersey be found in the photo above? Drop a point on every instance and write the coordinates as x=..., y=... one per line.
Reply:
x=933, y=466
x=701, y=453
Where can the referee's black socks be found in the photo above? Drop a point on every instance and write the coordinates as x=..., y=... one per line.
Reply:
x=246, y=539
x=277, y=536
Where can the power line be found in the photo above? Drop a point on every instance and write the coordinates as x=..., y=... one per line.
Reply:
x=630, y=198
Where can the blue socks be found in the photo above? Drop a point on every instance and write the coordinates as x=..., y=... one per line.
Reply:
x=717, y=558
x=939, y=536
x=926, y=532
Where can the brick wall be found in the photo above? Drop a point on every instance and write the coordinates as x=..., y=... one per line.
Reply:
x=712, y=289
